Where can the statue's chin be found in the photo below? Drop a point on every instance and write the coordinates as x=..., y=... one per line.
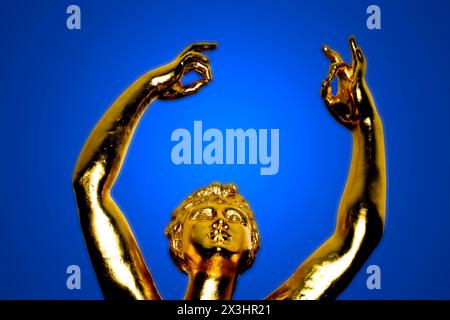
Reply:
x=217, y=255
x=215, y=248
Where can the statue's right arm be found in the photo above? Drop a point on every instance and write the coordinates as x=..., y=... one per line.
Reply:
x=113, y=249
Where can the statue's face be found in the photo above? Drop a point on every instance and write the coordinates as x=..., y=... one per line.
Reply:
x=216, y=228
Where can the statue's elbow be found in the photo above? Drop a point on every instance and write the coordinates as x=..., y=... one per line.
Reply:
x=86, y=185
x=80, y=182
x=374, y=226
x=363, y=225
x=77, y=180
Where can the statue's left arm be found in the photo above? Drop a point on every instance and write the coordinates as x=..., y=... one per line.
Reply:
x=361, y=213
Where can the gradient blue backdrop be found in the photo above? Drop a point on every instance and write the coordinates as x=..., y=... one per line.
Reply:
x=55, y=84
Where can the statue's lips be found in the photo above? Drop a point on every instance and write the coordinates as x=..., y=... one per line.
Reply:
x=219, y=235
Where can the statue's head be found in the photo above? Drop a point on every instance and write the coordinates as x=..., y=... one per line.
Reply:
x=213, y=221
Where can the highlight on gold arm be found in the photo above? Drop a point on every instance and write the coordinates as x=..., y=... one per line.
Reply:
x=115, y=254
x=213, y=234
x=361, y=213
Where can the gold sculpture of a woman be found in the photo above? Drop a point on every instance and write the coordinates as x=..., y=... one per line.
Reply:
x=213, y=234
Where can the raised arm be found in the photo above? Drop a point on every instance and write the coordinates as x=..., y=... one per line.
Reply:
x=328, y=271
x=115, y=254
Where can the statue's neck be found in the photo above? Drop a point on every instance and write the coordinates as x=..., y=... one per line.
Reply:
x=215, y=280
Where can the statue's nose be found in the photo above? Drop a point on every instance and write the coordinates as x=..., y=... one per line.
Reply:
x=220, y=225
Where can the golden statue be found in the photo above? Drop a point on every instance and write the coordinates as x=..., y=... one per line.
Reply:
x=213, y=234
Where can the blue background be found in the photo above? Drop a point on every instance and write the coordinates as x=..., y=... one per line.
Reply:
x=55, y=84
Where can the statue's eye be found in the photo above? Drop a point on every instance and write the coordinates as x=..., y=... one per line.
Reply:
x=203, y=214
x=235, y=216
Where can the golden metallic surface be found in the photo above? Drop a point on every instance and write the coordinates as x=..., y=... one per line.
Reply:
x=213, y=234
x=361, y=213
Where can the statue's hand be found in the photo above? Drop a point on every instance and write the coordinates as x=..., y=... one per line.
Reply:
x=169, y=82
x=353, y=100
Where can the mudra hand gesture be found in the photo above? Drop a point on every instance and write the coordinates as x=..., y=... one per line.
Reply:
x=169, y=85
x=213, y=234
x=353, y=100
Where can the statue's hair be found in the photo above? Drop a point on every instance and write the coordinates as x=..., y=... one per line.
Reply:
x=214, y=192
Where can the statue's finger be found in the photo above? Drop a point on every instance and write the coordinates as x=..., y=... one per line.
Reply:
x=327, y=95
x=199, y=47
x=192, y=57
x=332, y=55
x=353, y=48
x=358, y=59
x=201, y=68
x=337, y=69
x=174, y=92
x=360, y=56
x=193, y=87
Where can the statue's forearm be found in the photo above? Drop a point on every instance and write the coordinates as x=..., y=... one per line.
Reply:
x=360, y=221
x=107, y=144
x=365, y=190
